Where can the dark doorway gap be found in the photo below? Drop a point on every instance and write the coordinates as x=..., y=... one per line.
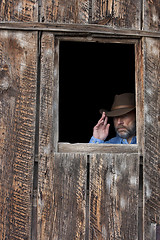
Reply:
x=90, y=74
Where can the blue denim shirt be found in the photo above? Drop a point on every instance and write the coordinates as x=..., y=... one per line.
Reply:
x=115, y=140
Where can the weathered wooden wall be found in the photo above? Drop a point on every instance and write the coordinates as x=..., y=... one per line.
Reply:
x=19, y=11
x=152, y=138
x=131, y=14
x=18, y=73
x=62, y=197
x=77, y=195
x=114, y=183
x=151, y=14
x=117, y=13
x=65, y=12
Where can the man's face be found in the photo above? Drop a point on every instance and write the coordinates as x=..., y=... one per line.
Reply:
x=125, y=125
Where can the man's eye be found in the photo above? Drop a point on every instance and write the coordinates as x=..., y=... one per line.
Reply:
x=125, y=115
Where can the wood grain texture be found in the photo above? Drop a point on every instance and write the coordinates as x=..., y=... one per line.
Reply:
x=62, y=197
x=18, y=72
x=46, y=130
x=19, y=11
x=96, y=148
x=152, y=137
x=120, y=14
x=62, y=11
x=151, y=15
x=79, y=30
x=48, y=101
x=114, y=196
x=62, y=178
x=139, y=83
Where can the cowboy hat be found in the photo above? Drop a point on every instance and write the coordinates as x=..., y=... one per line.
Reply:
x=122, y=104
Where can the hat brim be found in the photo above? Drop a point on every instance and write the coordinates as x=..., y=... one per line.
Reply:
x=117, y=112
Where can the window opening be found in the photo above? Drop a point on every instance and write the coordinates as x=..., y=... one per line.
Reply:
x=90, y=74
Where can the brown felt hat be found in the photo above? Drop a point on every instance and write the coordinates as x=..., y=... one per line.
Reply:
x=122, y=104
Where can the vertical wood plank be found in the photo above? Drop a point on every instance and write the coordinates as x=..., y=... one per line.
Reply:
x=73, y=11
x=18, y=72
x=114, y=196
x=46, y=115
x=139, y=82
x=62, y=197
x=152, y=137
x=19, y=11
x=62, y=178
x=48, y=96
x=120, y=14
x=151, y=15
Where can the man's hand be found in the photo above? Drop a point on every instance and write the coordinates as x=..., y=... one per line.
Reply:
x=101, y=130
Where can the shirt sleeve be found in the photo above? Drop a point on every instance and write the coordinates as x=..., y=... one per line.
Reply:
x=115, y=140
x=95, y=140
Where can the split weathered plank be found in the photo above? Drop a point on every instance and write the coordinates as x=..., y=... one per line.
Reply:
x=73, y=11
x=18, y=72
x=151, y=16
x=114, y=186
x=62, y=197
x=119, y=14
x=19, y=11
x=152, y=137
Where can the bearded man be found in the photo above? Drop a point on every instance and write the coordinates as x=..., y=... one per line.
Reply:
x=124, y=119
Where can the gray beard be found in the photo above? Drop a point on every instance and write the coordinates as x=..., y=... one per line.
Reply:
x=130, y=132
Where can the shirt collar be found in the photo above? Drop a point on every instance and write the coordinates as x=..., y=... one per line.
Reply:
x=124, y=141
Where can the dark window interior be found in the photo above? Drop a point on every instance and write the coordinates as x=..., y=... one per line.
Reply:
x=90, y=74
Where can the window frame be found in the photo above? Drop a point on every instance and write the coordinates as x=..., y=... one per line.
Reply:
x=64, y=147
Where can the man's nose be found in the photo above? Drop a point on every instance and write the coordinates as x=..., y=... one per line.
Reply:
x=119, y=120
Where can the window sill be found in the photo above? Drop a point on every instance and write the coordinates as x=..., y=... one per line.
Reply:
x=89, y=148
